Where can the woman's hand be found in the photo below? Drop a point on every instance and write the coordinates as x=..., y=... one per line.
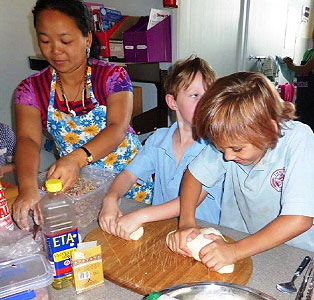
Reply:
x=218, y=253
x=109, y=215
x=67, y=169
x=128, y=224
x=178, y=239
x=288, y=61
x=26, y=200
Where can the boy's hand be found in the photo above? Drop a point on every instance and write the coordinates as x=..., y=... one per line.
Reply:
x=128, y=224
x=218, y=253
x=177, y=240
x=108, y=216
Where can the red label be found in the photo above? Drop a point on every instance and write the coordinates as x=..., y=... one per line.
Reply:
x=5, y=217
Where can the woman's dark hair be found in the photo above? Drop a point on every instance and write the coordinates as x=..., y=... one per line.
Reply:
x=75, y=9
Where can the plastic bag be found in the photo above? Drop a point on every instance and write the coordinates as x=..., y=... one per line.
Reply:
x=17, y=243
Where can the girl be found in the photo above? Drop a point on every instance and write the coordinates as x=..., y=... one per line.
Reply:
x=268, y=161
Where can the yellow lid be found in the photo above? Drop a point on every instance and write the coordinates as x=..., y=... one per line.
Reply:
x=53, y=185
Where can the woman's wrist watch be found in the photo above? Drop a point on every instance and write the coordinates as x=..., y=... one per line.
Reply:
x=89, y=157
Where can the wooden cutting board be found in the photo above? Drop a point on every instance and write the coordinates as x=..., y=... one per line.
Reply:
x=149, y=265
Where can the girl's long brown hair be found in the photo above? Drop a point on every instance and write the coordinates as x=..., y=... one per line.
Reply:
x=243, y=106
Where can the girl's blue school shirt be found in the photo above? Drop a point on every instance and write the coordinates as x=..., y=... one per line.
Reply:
x=7, y=144
x=282, y=183
x=157, y=157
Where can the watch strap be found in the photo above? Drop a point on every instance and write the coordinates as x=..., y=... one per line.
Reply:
x=89, y=157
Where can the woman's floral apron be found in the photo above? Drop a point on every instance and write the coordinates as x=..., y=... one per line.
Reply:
x=71, y=132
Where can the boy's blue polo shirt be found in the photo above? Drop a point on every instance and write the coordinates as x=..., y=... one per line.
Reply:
x=157, y=157
x=281, y=183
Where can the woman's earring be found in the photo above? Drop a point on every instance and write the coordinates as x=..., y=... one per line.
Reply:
x=87, y=52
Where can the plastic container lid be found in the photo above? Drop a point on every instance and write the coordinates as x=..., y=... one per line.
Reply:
x=22, y=274
x=27, y=295
x=54, y=185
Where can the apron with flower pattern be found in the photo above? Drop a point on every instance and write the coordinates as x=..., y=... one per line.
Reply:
x=71, y=132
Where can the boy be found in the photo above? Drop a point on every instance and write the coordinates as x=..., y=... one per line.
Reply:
x=166, y=154
x=267, y=161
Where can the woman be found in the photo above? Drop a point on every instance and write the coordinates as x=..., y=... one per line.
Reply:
x=305, y=86
x=84, y=104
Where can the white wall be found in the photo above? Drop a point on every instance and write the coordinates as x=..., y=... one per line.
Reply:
x=216, y=30
x=268, y=23
x=16, y=46
x=210, y=29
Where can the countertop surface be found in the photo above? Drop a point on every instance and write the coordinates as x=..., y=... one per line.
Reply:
x=269, y=268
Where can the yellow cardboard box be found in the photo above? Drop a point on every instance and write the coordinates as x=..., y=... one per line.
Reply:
x=87, y=266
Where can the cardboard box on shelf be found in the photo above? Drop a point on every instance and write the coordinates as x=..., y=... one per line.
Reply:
x=116, y=48
x=153, y=45
x=113, y=35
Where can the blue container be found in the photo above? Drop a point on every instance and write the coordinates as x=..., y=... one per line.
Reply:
x=25, y=278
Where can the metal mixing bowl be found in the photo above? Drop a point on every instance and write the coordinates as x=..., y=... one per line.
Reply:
x=211, y=290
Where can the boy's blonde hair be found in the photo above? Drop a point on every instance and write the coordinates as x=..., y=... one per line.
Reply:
x=183, y=73
x=243, y=106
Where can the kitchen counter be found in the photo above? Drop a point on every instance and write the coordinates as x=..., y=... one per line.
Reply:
x=269, y=268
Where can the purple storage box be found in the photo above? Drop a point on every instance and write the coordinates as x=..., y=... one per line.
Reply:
x=153, y=45
x=129, y=45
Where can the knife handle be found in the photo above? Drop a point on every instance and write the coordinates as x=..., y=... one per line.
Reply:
x=303, y=265
x=305, y=280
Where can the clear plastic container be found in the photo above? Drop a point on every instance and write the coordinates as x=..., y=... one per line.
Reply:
x=87, y=194
x=59, y=228
x=25, y=278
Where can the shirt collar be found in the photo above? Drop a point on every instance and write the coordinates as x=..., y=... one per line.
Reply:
x=166, y=143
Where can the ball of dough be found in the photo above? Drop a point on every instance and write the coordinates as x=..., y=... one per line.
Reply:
x=199, y=242
x=137, y=234
x=167, y=237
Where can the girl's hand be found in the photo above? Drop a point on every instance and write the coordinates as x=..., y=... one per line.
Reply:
x=218, y=253
x=108, y=216
x=26, y=200
x=178, y=239
x=128, y=224
x=67, y=169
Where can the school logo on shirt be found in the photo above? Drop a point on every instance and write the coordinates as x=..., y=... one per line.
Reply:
x=276, y=179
